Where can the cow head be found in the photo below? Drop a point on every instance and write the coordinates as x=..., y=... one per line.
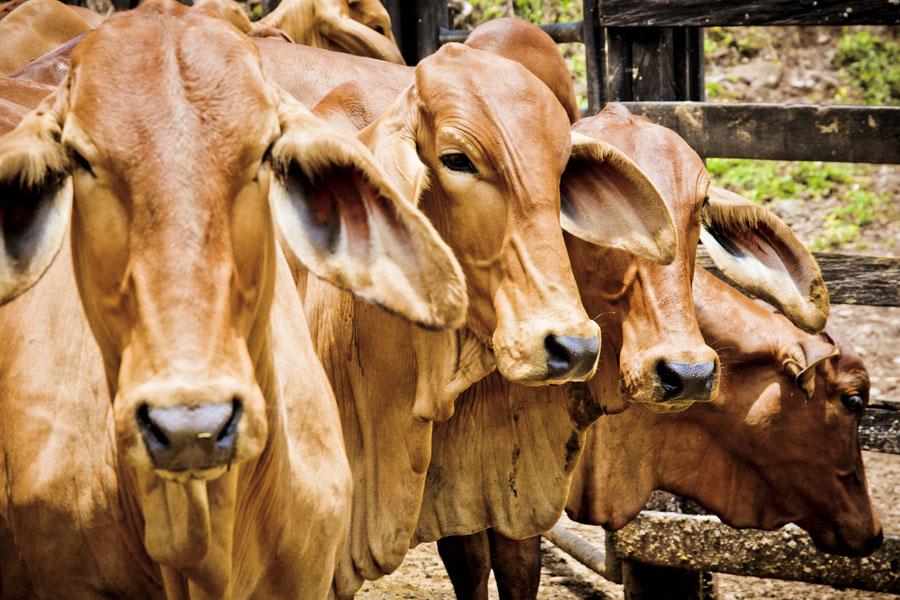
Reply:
x=646, y=308
x=360, y=27
x=788, y=423
x=779, y=445
x=462, y=141
x=175, y=166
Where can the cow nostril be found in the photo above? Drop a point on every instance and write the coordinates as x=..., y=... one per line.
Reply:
x=559, y=357
x=229, y=429
x=670, y=380
x=151, y=430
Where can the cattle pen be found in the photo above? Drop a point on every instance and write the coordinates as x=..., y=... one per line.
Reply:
x=648, y=54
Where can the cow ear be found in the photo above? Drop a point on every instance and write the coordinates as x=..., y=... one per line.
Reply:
x=353, y=37
x=756, y=250
x=343, y=219
x=392, y=140
x=800, y=360
x=608, y=200
x=35, y=198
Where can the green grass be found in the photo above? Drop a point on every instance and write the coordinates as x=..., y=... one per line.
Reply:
x=764, y=181
x=871, y=64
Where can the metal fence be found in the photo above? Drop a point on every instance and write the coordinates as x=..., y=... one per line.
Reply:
x=649, y=55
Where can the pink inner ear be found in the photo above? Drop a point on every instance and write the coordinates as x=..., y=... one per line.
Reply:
x=765, y=246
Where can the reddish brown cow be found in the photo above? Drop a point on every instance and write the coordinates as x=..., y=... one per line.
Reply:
x=191, y=445
x=779, y=446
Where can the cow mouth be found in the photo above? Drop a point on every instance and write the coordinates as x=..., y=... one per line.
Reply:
x=186, y=475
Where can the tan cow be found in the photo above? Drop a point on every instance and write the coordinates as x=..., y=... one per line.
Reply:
x=360, y=27
x=191, y=444
x=35, y=28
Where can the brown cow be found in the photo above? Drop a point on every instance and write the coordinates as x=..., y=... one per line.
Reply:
x=779, y=446
x=35, y=28
x=192, y=444
x=360, y=27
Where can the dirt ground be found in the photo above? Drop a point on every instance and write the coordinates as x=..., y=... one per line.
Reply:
x=790, y=65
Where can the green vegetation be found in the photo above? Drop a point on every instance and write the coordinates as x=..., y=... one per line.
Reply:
x=741, y=42
x=536, y=11
x=871, y=64
x=765, y=181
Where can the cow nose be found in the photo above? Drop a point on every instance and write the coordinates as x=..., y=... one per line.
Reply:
x=873, y=543
x=180, y=438
x=686, y=381
x=570, y=356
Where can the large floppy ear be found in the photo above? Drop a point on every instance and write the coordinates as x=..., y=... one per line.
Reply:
x=342, y=217
x=799, y=360
x=756, y=250
x=353, y=37
x=35, y=198
x=607, y=200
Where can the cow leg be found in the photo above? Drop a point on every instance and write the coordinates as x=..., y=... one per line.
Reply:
x=517, y=566
x=467, y=559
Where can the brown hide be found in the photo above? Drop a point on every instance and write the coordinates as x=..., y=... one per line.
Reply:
x=529, y=45
x=358, y=27
x=762, y=455
x=50, y=68
x=35, y=28
x=506, y=457
x=201, y=305
x=389, y=477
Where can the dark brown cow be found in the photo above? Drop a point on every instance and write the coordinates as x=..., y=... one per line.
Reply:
x=191, y=446
x=780, y=445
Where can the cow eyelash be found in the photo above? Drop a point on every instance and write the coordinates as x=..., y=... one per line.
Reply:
x=459, y=162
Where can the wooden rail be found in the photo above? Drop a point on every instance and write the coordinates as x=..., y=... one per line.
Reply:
x=869, y=134
x=707, y=13
x=692, y=544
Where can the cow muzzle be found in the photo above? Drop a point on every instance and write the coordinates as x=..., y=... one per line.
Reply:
x=191, y=430
x=539, y=355
x=671, y=381
x=183, y=438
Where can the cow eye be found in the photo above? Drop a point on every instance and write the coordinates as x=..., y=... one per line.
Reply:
x=457, y=161
x=82, y=163
x=853, y=402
